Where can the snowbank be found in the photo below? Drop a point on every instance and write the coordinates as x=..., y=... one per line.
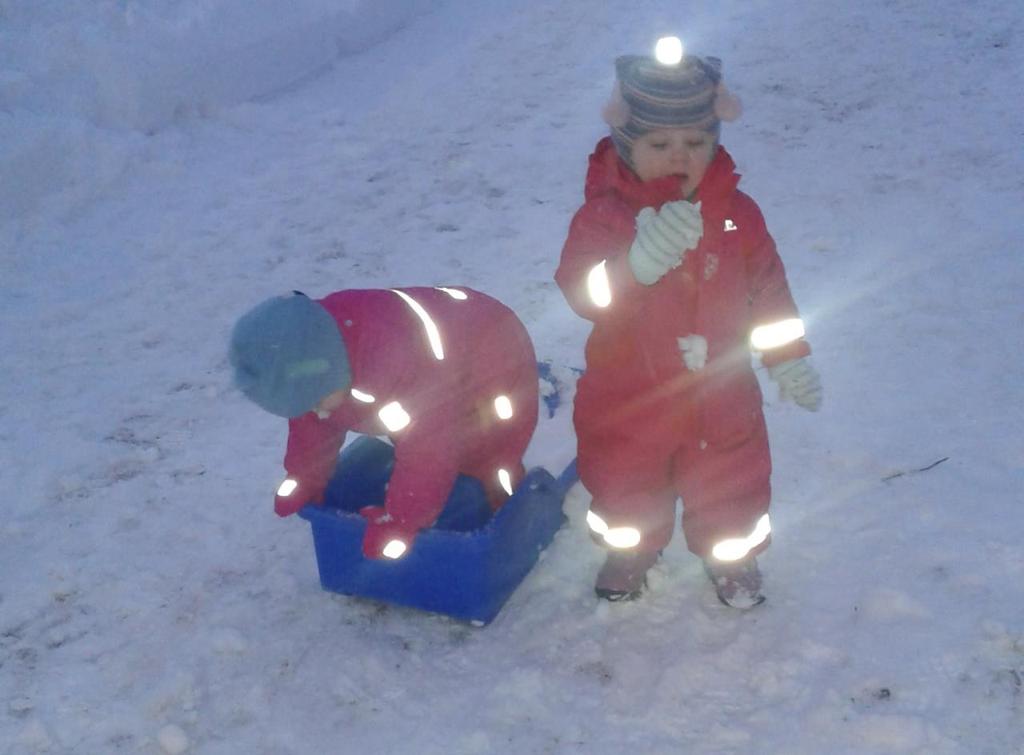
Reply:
x=81, y=81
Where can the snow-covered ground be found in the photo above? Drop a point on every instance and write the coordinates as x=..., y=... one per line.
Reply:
x=164, y=165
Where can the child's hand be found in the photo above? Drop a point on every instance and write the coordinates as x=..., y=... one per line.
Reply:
x=662, y=238
x=292, y=495
x=798, y=381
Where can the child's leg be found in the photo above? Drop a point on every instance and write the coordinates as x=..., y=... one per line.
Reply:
x=499, y=431
x=726, y=492
x=495, y=456
x=631, y=488
x=495, y=475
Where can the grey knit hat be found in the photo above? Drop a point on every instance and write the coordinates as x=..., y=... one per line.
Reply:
x=288, y=354
x=650, y=95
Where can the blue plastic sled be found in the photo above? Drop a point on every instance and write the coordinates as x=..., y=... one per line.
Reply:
x=466, y=565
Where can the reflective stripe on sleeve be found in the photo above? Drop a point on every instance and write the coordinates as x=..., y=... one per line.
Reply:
x=776, y=334
x=394, y=549
x=598, y=287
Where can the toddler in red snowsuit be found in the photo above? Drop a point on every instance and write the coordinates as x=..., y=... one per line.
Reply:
x=448, y=374
x=677, y=272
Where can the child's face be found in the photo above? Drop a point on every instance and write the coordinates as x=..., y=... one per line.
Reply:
x=682, y=152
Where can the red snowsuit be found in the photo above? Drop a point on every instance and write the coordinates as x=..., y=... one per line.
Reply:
x=432, y=393
x=648, y=428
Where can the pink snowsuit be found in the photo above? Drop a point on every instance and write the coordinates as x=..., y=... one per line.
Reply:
x=649, y=428
x=450, y=375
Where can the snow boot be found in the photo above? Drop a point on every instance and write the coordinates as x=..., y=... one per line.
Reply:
x=624, y=575
x=738, y=583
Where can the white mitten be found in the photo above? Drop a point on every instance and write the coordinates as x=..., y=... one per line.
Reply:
x=798, y=381
x=662, y=238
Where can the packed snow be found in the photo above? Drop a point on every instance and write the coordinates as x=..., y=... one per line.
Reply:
x=167, y=164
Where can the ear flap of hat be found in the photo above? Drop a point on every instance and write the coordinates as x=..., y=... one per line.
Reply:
x=727, y=105
x=616, y=111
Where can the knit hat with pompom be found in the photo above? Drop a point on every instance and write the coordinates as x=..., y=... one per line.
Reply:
x=649, y=95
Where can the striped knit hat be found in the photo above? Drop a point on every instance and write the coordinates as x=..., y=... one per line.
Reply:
x=649, y=95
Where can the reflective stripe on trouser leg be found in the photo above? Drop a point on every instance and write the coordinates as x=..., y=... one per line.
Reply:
x=624, y=458
x=646, y=525
x=738, y=548
x=726, y=491
x=614, y=537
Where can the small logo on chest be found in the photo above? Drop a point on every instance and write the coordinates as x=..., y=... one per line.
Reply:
x=729, y=225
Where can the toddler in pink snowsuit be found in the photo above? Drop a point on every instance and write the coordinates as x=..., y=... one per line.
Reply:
x=448, y=374
x=677, y=272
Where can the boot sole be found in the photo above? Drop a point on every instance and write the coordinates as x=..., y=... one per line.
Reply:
x=617, y=596
x=757, y=601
